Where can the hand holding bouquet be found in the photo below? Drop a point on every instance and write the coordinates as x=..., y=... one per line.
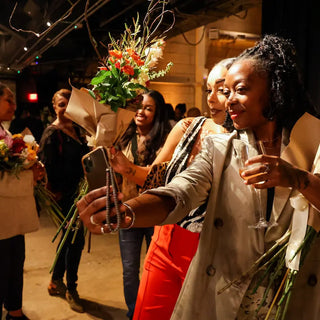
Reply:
x=17, y=152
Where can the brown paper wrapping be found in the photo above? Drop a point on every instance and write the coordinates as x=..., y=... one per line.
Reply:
x=314, y=214
x=103, y=124
x=304, y=152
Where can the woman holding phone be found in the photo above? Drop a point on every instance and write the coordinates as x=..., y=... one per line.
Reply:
x=266, y=101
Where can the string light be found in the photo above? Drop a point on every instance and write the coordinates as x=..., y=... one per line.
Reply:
x=65, y=16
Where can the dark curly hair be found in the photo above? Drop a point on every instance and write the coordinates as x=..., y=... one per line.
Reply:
x=157, y=135
x=275, y=58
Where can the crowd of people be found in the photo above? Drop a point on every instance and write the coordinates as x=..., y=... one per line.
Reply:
x=266, y=101
x=182, y=192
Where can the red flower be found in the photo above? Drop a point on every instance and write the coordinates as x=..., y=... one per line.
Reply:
x=140, y=62
x=117, y=65
x=135, y=57
x=115, y=53
x=18, y=145
x=112, y=60
x=103, y=68
x=128, y=70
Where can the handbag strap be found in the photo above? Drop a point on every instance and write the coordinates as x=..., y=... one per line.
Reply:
x=134, y=149
x=182, y=152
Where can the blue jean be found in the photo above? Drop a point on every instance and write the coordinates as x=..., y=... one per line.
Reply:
x=130, y=248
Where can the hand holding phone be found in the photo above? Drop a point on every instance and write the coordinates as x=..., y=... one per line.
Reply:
x=94, y=166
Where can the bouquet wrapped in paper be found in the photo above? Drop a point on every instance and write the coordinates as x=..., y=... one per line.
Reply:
x=102, y=124
x=106, y=109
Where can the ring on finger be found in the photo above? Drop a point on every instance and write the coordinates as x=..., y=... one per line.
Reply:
x=92, y=221
x=102, y=230
x=267, y=168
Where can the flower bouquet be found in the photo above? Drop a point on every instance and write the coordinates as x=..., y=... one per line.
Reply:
x=106, y=109
x=19, y=152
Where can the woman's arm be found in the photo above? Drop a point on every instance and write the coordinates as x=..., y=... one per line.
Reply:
x=309, y=185
x=94, y=204
x=185, y=192
x=278, y=172
x=138, y=174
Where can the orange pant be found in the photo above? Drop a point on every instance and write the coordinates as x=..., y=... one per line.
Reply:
x=166, y=264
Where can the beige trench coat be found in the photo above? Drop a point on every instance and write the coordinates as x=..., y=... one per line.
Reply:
x=227, y=246
x=18, y=213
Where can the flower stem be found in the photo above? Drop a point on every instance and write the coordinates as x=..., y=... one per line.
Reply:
x=276, y=296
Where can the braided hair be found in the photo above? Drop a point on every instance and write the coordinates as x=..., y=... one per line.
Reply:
x=275, y=58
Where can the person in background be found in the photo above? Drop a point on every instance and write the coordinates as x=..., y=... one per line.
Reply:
x=18, y=216
x=267, y=103
x=180, y=111
x=171, y=114
x=194, y=112
x=141, y=142
x=28, y=117
x=61, y=148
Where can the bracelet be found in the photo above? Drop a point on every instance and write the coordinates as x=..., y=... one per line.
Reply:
x=133, y=218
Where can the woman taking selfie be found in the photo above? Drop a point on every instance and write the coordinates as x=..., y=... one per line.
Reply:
x=267, y=103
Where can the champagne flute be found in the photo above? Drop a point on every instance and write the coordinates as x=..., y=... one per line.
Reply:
x=244, y=156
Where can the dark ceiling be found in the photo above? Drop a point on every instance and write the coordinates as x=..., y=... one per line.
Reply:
x=68, y=42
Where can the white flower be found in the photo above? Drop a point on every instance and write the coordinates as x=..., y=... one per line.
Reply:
x=154, y=53
x=30, y=140
x=143, y=76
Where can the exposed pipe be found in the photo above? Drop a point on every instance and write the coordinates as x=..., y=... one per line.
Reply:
x=96, y=6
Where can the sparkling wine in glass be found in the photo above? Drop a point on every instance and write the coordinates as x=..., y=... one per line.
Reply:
x=244, y=156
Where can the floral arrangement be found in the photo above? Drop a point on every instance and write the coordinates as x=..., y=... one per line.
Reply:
x=126, y=71
x=17, y=152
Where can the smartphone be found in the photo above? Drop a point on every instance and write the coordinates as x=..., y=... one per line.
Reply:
x=94, y=166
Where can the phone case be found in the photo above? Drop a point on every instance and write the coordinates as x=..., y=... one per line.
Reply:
x=94, y=165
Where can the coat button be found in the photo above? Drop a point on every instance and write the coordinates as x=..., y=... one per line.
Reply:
x=218, y=223
x=211, y=270
x=312, y=280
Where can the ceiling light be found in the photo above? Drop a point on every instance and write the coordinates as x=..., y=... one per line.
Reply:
x=48, y=23
x=25, y=49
